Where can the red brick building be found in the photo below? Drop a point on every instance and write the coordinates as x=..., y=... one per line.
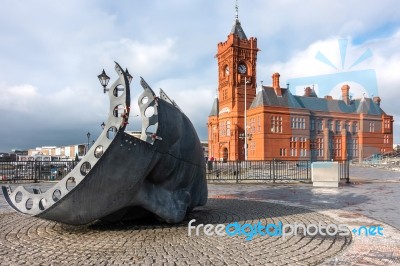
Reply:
x=286, y=126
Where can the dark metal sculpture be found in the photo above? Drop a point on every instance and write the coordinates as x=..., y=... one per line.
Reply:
x=124, y=177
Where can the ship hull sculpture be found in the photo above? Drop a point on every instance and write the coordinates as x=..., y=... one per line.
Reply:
x=124, y=177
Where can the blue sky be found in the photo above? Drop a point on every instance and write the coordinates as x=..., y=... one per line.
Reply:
x=52, y=51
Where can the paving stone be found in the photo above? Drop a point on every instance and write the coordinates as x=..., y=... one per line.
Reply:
x=31, y=241
x=163, y=244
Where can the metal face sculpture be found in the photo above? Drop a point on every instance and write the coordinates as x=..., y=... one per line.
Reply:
x=124, y=177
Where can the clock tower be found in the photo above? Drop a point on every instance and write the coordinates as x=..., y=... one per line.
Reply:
x=237, y=58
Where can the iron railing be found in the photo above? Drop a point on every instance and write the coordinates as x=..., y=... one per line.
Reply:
x=271, y=170
x=34, y=171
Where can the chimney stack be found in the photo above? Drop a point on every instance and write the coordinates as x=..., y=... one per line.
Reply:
x=345, y=93
x=377, y=100
x=275, y=84
x=307, y=91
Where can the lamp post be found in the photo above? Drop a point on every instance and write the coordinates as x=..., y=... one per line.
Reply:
x=245, y=118
x=104, y=79
x=88, y=141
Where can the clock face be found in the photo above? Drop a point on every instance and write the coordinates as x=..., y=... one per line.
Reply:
x=242, y=68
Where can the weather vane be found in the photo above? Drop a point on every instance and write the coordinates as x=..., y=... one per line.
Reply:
x=237, y=10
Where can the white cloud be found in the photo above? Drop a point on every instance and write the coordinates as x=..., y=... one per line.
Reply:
x=18, y=98
x=63, y=106
x=145, y=58
x=193, y=97
x=385, y=61
x=304, y=62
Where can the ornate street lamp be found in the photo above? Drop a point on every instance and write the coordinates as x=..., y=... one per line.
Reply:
x=103, y=125
x=104, y=79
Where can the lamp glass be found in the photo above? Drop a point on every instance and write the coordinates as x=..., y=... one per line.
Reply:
x=104, y=79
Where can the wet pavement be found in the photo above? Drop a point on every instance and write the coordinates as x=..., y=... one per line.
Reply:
x=372, y=192
x=371, y=199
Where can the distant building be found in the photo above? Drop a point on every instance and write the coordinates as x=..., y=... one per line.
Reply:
x=204, y=144
x=62, y=152
x=65, y=152
x=19, y=152
x=283, y=125
x=5, y=157
x=12, y=156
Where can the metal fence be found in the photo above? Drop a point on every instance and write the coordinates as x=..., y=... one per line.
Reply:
x=273, y=170
x=34, y=171
x=237, y=171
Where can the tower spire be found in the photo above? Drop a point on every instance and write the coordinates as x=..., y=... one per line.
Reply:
x=237, y=29
x=237, y=11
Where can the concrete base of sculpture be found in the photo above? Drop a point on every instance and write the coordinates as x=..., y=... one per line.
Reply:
x=125, y=177
x=325, y=174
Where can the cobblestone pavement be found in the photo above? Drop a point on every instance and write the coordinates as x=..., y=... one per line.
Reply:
x=26, y=240
x=371, y=199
